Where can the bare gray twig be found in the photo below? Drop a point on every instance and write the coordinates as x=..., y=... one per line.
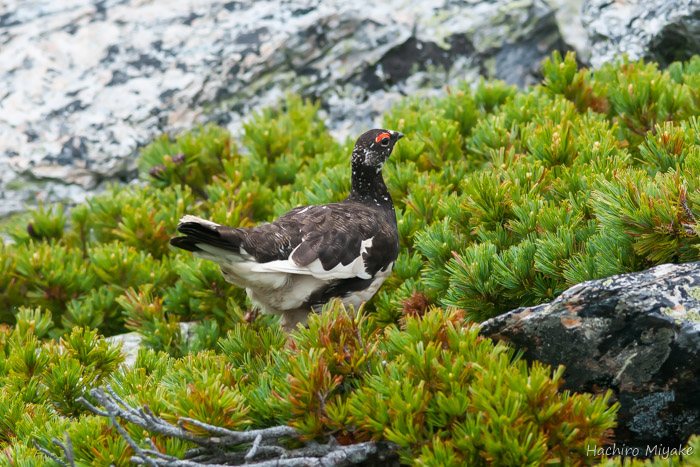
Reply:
x=254, y=448
x=48, y=453
x=215, y=450
x=66, y=448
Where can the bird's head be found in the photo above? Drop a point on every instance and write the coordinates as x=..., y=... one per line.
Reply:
x=373, y=148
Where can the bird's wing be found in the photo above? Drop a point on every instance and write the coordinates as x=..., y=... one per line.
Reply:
x=328, y=242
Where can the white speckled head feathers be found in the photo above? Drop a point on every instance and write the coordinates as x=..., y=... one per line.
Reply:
x=373, y=147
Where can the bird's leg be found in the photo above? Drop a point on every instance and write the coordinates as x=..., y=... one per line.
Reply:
x=291, y=318
x=250, y=315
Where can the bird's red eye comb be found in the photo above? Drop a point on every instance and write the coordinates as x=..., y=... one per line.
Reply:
x=382, y=136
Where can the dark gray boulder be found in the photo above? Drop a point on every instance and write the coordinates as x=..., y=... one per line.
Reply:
x=660, y=30
x=637, y=334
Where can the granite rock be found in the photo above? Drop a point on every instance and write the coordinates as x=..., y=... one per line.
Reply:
x=659, y=30
x=85, y=83
x=568, y=16
x=131, y=342
x=637, y=334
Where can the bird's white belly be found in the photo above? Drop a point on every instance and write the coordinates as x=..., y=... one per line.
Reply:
x=272, y=293
x=291, y=296
x=276, y=292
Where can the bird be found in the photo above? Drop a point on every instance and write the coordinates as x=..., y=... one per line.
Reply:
x=312, y=254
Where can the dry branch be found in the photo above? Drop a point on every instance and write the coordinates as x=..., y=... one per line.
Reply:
x=262, y=448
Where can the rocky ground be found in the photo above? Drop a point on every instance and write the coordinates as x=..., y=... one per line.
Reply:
x=660, y=30
x=85, y=83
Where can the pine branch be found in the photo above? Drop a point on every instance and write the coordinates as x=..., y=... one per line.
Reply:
x=265, y=450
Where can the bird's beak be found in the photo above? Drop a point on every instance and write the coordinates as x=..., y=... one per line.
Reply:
x=398, y=135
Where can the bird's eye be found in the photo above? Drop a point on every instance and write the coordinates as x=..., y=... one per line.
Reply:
x=383, y=139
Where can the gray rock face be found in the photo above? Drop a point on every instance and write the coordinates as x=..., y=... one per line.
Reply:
x=568, y=15
x=638, y=334
x=660, y=30
x=84, y=83
x=131, y=342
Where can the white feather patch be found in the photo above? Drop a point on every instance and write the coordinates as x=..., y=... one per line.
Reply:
x=355, y=268
x=198, y=220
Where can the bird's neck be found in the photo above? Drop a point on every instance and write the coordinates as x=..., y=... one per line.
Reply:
x=368, y=186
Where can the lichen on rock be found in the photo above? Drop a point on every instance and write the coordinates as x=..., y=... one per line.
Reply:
x=637, y=334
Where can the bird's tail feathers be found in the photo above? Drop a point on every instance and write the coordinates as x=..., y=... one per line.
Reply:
x=201, y=232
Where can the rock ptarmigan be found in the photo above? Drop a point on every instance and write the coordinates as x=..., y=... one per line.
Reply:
x=311, y=254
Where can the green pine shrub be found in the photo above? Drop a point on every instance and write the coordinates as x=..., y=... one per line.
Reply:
x=588, y=175
x=454, y=395
x=191, y=159
x=504, y=198
x=446, y=386
x=44, y=224
x=442, y=393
